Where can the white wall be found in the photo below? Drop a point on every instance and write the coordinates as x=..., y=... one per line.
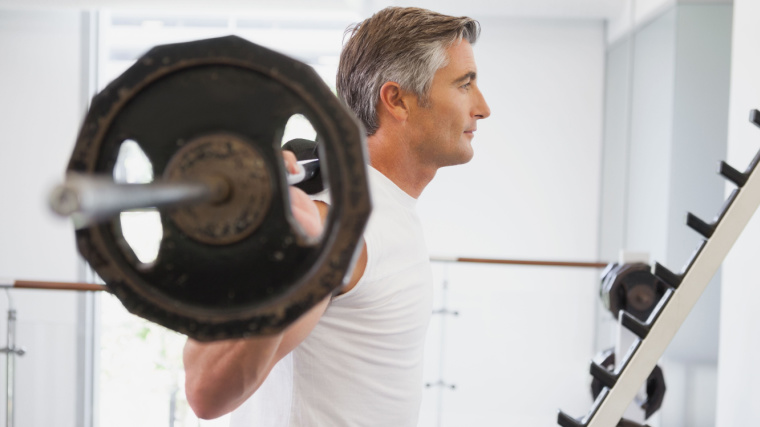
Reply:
x=40, y=109
x=520, y=347
x=738, y=370
x=634, y=13
x=700, y=117
x=531, y=190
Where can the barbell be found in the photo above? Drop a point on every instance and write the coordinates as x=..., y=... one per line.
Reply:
x=210, y=116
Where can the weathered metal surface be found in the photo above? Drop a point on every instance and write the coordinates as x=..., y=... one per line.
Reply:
x=270, y=273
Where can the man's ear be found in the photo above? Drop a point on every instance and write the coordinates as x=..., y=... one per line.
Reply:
x=393, y=101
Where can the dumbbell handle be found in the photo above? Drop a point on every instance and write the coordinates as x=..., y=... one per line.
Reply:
x=89, y=199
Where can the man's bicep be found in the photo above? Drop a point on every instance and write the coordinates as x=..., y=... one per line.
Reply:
x=361, y=261
x=358, y=271
x=301, y=328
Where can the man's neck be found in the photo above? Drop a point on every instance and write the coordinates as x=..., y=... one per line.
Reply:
x=391, y=157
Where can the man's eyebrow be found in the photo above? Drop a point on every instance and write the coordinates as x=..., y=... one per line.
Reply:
x=469, y=76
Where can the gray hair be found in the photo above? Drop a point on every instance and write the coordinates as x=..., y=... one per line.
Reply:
x=402, y=45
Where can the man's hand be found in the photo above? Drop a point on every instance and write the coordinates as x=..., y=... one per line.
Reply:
x=304, y=209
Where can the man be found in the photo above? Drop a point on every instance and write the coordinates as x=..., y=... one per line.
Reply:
x=356, y=359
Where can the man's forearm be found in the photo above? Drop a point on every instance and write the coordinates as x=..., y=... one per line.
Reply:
x=220, y=376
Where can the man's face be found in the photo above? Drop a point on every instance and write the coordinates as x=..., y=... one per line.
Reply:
x=441, y=132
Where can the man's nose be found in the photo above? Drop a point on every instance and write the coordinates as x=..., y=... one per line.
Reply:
x=482, y=109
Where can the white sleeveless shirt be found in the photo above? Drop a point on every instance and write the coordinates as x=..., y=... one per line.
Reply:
x=362, y=363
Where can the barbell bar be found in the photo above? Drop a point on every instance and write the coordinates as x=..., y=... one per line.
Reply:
x=90, y=199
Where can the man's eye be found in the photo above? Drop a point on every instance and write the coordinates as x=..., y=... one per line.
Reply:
x=466, y=85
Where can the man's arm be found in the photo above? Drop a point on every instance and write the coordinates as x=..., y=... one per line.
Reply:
x=220, y=376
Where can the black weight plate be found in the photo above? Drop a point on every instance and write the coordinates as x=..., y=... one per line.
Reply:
x=631, y=288
x=225, y=87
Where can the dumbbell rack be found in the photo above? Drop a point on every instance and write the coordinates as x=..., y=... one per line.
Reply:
x=684, y=289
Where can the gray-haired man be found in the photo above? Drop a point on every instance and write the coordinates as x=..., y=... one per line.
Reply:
x=355, y=359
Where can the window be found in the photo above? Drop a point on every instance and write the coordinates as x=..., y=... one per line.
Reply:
x=141, y=362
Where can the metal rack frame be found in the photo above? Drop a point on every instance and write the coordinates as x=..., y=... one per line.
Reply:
x=685, y=288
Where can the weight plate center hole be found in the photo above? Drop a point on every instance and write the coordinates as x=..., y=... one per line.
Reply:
x=141, y=230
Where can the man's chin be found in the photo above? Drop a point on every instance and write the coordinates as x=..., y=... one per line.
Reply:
x=467, y=154
x=460, y=159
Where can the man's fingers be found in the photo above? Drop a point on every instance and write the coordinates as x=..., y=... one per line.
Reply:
x=305, y=212
x=290, y=161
